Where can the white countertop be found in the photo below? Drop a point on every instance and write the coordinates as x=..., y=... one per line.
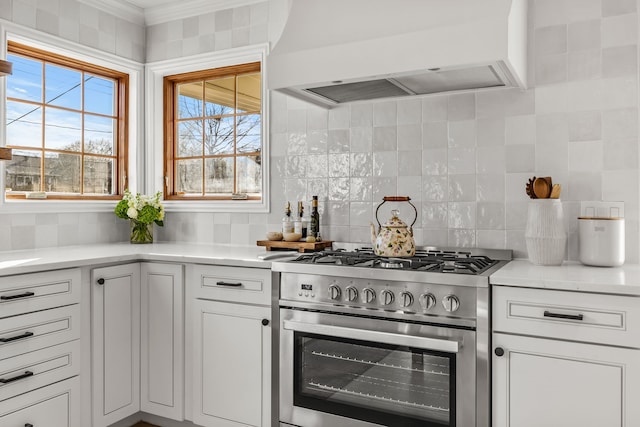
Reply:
x=571, y=276
x=27, y=261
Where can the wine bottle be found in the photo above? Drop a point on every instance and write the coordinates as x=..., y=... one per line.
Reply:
x=314, y=223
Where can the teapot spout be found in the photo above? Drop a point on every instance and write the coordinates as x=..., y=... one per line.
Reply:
x=374, y=235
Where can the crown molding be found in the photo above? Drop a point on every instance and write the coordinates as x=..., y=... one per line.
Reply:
x=187, y=9
x=120, y=9
x=164, y=12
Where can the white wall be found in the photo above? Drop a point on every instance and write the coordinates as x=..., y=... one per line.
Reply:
x=464, y=158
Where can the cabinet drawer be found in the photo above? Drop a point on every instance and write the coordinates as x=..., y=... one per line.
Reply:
x=33, y=331
x=248, y=285
x=56, y=405
x=38, y=291
x=575, y=316
x=39, y=368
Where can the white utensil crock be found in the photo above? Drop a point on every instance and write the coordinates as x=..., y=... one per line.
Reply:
x=601, y=241
x=545, y=234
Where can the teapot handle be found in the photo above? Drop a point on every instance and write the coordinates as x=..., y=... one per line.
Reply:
x=398, y=199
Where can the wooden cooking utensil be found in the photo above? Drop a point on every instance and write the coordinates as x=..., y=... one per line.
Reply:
x=529, y=188
x=555, y=191
x=541, y=188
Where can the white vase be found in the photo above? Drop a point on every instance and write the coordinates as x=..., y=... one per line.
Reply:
x=545, y=235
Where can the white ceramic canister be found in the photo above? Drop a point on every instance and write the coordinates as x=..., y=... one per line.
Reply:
x=545, y=234
x=601, y=241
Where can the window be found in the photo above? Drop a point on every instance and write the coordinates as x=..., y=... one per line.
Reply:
x=213, y=134
x=66, y=123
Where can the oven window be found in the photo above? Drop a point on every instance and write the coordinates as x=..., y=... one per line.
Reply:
x=379, y=383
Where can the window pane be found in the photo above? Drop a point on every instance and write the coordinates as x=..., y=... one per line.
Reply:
x=62, y=173
x=22, y=172
x=190, y=138
x=62, y=87
x=249, y=174
x=249, y=92
x=189, y=176
x=190, y=100
x=98, y=175
x=62, y=130
x=99, y=95
x=26, y=80
x=219, y=175
x=98, y=134
x=248, y=137
x=219, y=135
x=220, y=96
x=24, y=124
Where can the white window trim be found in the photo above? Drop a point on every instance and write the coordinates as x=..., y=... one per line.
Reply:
x=53, y=44
x=155, y=73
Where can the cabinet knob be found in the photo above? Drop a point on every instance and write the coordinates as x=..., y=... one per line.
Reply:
x=101, y=281
x=265, y=322
x=499, y=351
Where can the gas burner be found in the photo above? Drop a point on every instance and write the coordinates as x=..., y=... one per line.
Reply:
x=442, y=261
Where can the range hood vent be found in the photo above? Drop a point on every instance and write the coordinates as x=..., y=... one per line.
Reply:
x=337, y=51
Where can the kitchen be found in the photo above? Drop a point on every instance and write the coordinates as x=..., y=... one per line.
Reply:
x=463, y=158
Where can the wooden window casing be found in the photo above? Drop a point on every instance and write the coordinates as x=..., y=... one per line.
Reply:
x=171, y=123
x=120, y=143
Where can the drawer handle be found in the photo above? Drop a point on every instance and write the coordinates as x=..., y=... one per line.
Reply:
x=563, y=316
x=19, y=377
x=28, y=425
x=17, y=337
x=24, y=295
x=230, y=284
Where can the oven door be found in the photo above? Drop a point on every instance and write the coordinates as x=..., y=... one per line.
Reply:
x=339, y=371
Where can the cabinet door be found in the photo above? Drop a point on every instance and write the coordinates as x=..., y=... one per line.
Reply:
x=162, y=349
x=539, y=382
x=115, y=337
x=231, y=365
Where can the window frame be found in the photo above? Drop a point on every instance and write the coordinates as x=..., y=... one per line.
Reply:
x=156, y=126
x=135, y=114
x=121, y=88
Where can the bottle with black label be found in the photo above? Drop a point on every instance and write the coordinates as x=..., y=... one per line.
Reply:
x=314, y=222
x=299, y=225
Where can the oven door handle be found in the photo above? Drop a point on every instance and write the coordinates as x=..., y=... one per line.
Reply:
x=375, y=336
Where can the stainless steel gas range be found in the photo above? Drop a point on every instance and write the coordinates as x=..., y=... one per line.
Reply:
x=369, y=341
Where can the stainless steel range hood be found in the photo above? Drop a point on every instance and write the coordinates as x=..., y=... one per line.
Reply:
x=337, y=51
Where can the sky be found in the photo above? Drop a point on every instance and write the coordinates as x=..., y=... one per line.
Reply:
x=62, y=89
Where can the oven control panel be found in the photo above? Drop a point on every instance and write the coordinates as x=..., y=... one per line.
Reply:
x=356, y=293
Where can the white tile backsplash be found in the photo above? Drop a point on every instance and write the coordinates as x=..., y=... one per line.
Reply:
x=463, y=158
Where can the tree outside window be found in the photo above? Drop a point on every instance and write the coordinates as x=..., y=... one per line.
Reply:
x=213, y=134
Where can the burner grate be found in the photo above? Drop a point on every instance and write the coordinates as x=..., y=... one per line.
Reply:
x=460, y=262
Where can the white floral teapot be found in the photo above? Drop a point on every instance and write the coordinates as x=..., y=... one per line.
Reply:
x=394, y=238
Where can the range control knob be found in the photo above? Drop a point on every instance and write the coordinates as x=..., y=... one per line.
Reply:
x=386, y=297
x=368, y=295
x=352, y=293
x=427, y=300
x=406, y=299
x=335, y=292
x=451, y=303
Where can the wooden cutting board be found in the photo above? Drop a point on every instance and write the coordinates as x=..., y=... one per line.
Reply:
x=299, y=246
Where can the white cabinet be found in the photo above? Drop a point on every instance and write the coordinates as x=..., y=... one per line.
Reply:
x=162, y=334
x=558, y=359
x=115, y=315
x=230, y=346
x=40, y=349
